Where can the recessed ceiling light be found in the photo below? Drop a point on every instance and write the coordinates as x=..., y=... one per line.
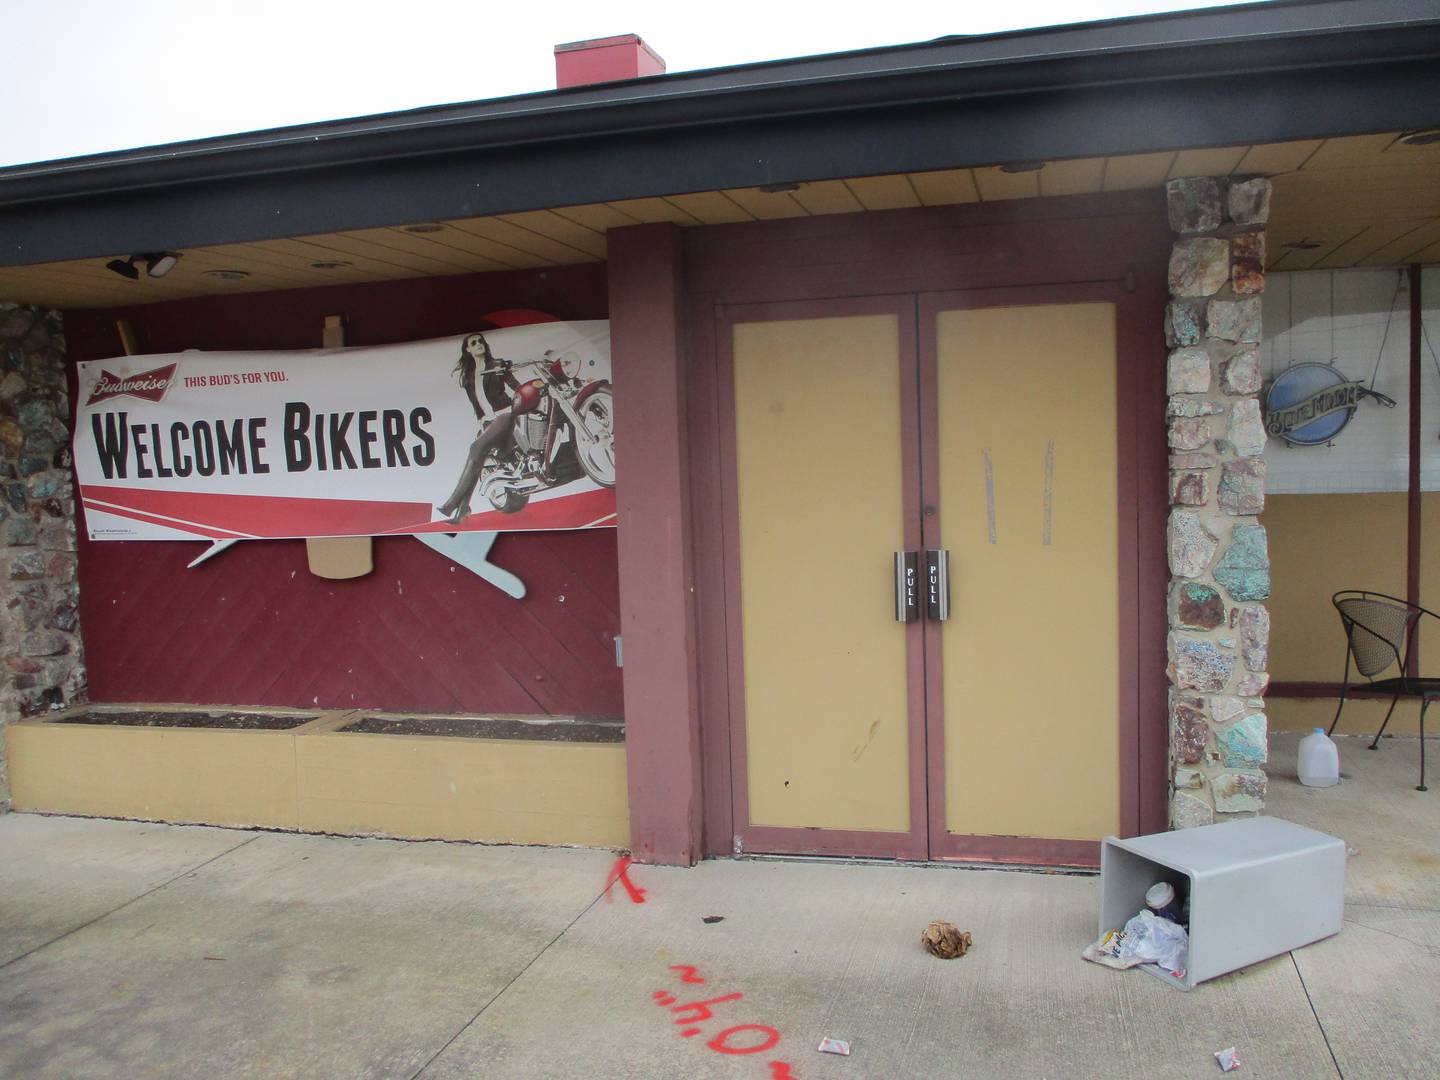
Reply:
x=228, y=275
x=331, y=264
x=1023, y=166
x=776, y=189
x=1427, y=137
x=424, y=227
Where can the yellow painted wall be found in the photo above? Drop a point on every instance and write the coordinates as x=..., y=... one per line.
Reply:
x=317, y=780
x=817, y=406
x=239, y=778
x=1362, y=716
x=1430, y=570
x=433, y=787
x=1320, y=544
x=1032, y=744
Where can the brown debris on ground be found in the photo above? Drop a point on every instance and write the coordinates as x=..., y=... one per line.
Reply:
x=945, y=940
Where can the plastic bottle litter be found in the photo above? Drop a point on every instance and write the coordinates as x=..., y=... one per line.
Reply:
x=1319, y=764
x=1160, y=898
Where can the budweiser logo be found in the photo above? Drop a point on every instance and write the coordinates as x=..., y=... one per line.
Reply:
x=146, y=385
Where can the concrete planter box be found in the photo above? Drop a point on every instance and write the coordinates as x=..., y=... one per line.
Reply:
x=508, y=780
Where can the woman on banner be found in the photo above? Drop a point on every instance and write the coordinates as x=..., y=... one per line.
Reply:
x=493, y=408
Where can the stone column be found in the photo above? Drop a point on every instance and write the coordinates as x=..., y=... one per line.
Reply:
x=1219, y=562
x=39, y=624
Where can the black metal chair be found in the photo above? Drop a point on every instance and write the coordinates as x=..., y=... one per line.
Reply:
x=1380, y=632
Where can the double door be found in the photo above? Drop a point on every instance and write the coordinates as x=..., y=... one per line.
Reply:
x=973, y=437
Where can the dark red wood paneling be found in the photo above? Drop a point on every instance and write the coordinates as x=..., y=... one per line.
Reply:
x=253, y=626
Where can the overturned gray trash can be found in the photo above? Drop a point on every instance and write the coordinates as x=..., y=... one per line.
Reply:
x=1257, y=888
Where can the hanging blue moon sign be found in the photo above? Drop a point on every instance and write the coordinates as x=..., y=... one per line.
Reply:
x=1308, y=404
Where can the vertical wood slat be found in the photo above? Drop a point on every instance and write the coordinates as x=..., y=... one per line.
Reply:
x=128, y=341
x=338, y=558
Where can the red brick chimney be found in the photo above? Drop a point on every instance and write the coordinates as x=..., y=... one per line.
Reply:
x=605, y=60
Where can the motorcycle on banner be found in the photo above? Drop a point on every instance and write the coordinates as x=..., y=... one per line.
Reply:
x=563, y=429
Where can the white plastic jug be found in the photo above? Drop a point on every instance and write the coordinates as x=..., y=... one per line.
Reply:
x=1319, y=760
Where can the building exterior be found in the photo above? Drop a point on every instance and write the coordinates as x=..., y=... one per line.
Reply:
x=997, y=299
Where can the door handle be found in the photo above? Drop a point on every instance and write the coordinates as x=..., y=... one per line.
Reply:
x=907, y=586
x=937, y=585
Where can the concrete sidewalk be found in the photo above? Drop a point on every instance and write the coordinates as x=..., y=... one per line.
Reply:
x=141, y=950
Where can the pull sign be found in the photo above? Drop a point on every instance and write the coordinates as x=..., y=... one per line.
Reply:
x=907, y=586
x=937, y=585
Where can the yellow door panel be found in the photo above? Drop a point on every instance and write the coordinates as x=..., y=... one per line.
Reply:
x=817, y=433
x=1027, y=485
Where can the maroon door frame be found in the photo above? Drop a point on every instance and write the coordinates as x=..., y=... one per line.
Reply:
x=816, y=841
x=1117, y=244
x=928, y=836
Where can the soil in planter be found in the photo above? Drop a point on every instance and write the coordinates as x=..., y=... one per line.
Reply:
x=586, y=730
x=234, y=721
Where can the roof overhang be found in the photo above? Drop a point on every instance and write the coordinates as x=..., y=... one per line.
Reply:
x=1248, y=75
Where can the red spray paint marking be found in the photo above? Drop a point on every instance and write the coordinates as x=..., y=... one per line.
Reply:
x=700, y=1010
x=621, y=872
x=738, y=1040
x=721, y=1043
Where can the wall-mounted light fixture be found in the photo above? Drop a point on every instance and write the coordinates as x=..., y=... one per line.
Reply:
x=157, y=264
x=124, y=267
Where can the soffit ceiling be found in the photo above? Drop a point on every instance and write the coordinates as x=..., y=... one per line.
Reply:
x=1356, y=201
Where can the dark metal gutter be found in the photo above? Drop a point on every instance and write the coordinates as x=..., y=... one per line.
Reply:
x=1258, y=73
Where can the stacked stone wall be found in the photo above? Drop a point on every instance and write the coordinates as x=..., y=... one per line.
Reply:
x=39, y=625
x=1219, y=562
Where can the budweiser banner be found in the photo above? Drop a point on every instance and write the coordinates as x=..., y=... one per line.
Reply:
x=498, y=430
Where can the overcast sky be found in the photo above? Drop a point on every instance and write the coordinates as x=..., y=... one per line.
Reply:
x=86, y=76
